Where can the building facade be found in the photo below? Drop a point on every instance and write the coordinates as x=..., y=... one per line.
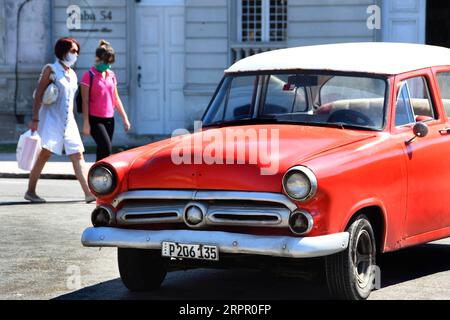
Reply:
x=171, y=54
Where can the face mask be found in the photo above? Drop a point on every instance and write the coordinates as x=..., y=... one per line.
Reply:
x=71, y=59
x=102, y=67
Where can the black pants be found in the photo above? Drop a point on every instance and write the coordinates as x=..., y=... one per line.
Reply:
x=102, y=130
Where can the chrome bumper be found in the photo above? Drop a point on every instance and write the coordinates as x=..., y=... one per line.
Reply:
x=278, y=246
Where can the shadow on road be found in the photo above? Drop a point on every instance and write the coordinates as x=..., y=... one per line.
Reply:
x=414, y=263
x=203, y=284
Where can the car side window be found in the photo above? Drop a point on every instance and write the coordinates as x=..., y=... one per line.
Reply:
x=219, y=102
x=444, y=86
x=239, y=104
x=420, y=97
x=403, y=110
x=414, y=102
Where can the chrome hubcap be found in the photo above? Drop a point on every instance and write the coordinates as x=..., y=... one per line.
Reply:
x=364, y=258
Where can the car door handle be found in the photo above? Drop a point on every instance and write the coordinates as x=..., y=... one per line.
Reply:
x=444, y=131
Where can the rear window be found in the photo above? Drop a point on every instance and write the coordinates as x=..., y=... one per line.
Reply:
x=444, y=85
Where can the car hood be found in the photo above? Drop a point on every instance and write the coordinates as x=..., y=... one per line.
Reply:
x=212, y=163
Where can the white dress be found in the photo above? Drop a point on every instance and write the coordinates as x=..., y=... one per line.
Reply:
x=57, y=127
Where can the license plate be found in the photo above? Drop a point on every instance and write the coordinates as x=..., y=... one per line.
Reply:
x=190, y=251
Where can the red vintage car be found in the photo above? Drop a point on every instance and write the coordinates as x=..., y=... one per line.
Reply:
x=334, y=151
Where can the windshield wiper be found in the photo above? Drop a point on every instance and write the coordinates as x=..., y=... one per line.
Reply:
x=343, y=125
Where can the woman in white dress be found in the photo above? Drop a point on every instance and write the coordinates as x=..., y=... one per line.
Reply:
x=56, y=123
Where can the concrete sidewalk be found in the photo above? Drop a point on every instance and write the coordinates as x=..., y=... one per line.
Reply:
x=59, y=167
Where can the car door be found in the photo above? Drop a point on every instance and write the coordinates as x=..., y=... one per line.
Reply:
x=428, y=173
x=443, y=88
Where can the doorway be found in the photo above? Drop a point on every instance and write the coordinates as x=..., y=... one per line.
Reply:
x=404, y=21
x=160, y=67
x=438, y=23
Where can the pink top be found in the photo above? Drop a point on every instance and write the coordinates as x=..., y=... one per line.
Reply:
x=102, y=96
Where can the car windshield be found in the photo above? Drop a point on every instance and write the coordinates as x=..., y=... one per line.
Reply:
x=310, y=99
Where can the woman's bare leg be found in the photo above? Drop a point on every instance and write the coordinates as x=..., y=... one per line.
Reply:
x=44, y=156
x=79, y=166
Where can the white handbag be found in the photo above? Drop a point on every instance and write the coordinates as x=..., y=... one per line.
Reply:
x=51, y=92
x=28, y=150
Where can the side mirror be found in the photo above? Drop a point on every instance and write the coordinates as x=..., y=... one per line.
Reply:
x=420, y=130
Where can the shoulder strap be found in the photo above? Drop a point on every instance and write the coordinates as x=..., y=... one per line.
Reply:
x=52, y=77
x=91, y=77
x=51, y=67
x=114, y=78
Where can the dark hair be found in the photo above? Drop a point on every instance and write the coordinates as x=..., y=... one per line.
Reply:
x=105, y=52
x=63, y=46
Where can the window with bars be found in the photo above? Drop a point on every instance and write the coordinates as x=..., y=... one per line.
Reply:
x=262, y=20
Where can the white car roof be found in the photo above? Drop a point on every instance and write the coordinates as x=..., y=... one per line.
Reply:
x=371, y=57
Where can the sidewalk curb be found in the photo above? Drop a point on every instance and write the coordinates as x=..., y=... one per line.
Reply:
x=45, y=176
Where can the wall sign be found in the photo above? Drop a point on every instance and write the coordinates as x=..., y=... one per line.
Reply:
x=77, y=17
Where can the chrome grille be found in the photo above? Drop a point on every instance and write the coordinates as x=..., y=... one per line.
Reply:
x=150, y=213
x=247, y=215
x=221, y=209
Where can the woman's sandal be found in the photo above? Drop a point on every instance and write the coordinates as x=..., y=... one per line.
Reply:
x=90, y=199
x=34, y=198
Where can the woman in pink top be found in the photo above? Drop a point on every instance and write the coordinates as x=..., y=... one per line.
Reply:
x=100, y=101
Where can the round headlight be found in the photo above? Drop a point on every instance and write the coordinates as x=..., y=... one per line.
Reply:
x=300, y=183
x=102, y=180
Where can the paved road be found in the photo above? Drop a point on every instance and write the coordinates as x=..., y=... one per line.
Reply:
x=41, y=258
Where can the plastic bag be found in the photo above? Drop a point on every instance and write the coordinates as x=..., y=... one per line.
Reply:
x=28, y=150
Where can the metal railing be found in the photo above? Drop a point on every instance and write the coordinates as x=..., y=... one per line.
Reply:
x=241, y=50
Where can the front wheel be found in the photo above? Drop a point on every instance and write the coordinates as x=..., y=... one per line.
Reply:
x=141, y=270
x=351, y=273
